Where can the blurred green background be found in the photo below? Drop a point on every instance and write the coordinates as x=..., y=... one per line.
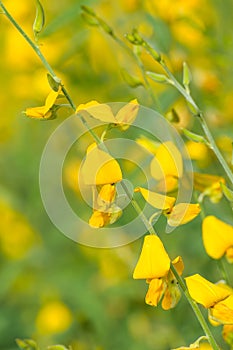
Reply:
x=52, y=289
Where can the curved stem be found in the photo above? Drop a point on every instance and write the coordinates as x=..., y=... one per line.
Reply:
x=196, y=310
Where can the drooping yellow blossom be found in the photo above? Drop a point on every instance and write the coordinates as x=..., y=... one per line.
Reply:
x=178, y=214
x=154, y=261
x=204, y=292
x=99, y=168
x=154, y=266
x=44, y=112
x=222, y=312
x=54, y=317
x=166, y=165
x=167, y=161
x=217, y=238
x=105, y=210
x=157, y=200
x=165, y=288
x=124, y=117
x=209, y=185
x=182, y=213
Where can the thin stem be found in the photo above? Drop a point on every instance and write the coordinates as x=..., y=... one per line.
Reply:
x=201, y=118
x=38, y=53
x=196, y=310
x=223, y=270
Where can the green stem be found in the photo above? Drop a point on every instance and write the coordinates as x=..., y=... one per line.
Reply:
x=196, y=310
x=201, y=118
x=223, y=270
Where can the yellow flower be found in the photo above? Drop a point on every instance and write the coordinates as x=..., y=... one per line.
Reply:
x=178, y=214
x=54, y=317
x=105, y=210
x=217, y=238
x=209, y=185
x=227, y=334
x=204, y=292
x=165, y=288
x=154, y=266
x=157, y=200
x=167, y=164
x=99, y=168
x=222, y=312
x=198, y=152
x=182, y=213
x=44, y=112
x=124, y=117
x=154, y=261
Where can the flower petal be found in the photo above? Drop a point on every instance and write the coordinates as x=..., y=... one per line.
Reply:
x=99, y=219
x=98, y=111
x=154, y=261
x=155, y=292
x=168, y=161
x=157, y=200
x=178, y=264
x=182, y=213
x=205, y=292
x=99, y=168
x=217, y=236
x=222, y=312
x=127, y=114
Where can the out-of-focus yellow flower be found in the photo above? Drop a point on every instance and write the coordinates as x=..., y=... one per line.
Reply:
x=209, y=185
x=150, y=145
x=188, y=34
x=154, y=266
x=178, y=214
x=198, y=152
x=44, y=112
x=99, y=168
x=217, y=238
x=53, y=317
x=17, y=237
x=204, y=292
x=154, y=261
x=124, y=117
x=167, y=161
x=227, y=334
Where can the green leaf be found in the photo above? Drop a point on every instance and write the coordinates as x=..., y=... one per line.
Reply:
x=227, y=192
x=54, y=82
x=27, y=344
x=39, y=20
x=194, y=137
x=131, y=80
x=186, y=76
x=159, y=78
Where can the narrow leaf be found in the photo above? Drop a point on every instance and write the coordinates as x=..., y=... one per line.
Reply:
x=159, y=78
x=131, y=80
x=227, y=192
x=186, y=75
x=194, y=137
x=39, y=20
